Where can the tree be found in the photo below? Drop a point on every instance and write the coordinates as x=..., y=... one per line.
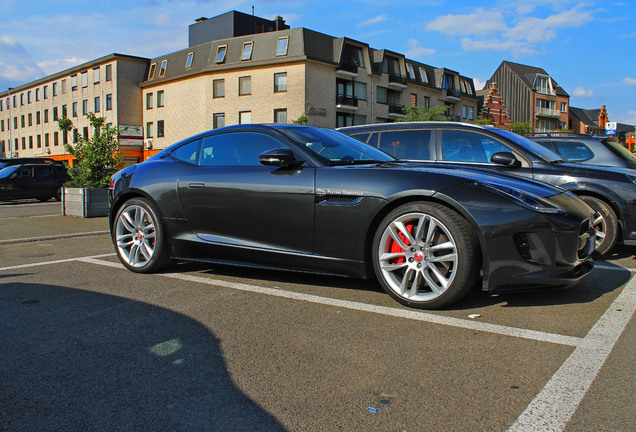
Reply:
x=484, y=121
x=97, y=157
x=521, y=128
x=302, y=120
x=418, y=113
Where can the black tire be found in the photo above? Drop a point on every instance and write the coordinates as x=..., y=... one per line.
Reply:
x=606, y=225
x=435, y=277
x=58, y=194
x=139, y=237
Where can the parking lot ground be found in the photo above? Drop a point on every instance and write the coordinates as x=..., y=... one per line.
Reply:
x=89, y=345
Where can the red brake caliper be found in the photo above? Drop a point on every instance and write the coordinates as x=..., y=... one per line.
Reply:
x=394, y=247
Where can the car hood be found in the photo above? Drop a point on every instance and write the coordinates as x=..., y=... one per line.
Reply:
x=485, y=176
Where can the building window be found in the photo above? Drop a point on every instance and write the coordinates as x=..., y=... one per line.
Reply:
x=160, y=99
x=56, y=139
x=164, y=67
x=45, y=92
x=218, y=88
x=85, y=132
x=23, y=143
x=30, y=142
x=280, y=82
x=281, y=48
x=54, y=90
x=21, y=99
x=413, y=99
x=30, y=117
x=151, y=73
x=29, y=96
x=247, y=50
x=220, y=54
x=109, y=72
x=37, y=94
x=109, y=102
x=464, y=111
x=470, y=113
x=54, y=113
x=245, y=86
x=218, y=120
x=46, y=116
x=149, y=130
x=96, y=75
x=564, y=107
x=189, y=60
x=382, y=95
x=39, y=141
x=98, y=104
x=360, y=90
x=73, y=83
x=46, y=140
x=245, y=117
x=280, y=115
x=64, y=111
x=410, y=71
x=21, y=121
x=64, y=85
x=160, y=131
x=427, y=102
x=543, y=84
x=85, y=107
x=84, y=79
x=149, y=99
x=74, y=109
x=37, y=117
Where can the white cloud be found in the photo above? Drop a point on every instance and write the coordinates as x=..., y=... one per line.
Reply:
x=479, y=22
x=416, y=50
x=627, y=118
x=581, y=92
x=537, y=30
x=57, y=65
x=372, y=21
x=629, y=81
x=515, y=47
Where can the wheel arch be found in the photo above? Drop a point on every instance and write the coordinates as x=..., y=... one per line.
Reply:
x=607, y=198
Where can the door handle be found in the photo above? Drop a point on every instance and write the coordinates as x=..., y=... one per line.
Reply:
x=196, y=185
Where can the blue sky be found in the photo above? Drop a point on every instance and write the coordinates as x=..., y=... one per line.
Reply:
x=588, y=47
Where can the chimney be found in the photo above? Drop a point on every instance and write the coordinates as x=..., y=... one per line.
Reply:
x=280, y=23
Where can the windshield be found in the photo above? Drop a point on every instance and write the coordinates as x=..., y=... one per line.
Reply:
x=335, y=147
x=6, y=172
x=620, y=150
x=536, y=148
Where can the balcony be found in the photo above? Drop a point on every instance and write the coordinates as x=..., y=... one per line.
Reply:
x=346, y=102
x=547, y=112
x=347, y=69
x=397, y=81
x=395, y=110
x=452, y=95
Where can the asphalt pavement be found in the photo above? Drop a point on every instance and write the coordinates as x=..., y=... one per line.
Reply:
x=86, y=345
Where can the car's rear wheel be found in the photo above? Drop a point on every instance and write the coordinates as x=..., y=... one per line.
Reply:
x=139, y=237
x=605, y=224
x=425, y=255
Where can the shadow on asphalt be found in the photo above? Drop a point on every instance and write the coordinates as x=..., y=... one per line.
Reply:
x=74, y=360
x=595, y=285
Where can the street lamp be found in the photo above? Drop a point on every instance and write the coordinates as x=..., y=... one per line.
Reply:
x=10, y=139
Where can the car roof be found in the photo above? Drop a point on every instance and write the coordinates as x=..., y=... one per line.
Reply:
x=413, y=125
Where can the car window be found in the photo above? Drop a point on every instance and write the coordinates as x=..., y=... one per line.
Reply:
x=545, y=144
x=408, y=144
x=42, y=171
x=574, y=151
x=187, y=152
x=25, y=171
x=467, y=146
x=361, y=136
x=6, y=172
x=237, y=148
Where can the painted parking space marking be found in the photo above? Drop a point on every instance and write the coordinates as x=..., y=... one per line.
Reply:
x=554, y=405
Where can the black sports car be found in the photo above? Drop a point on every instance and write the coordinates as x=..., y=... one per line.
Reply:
x=315, y=200
x=609, y=191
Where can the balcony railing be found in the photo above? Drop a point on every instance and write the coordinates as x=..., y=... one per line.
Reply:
x=397, y=79
x=396, y=109
x=346, y=100
x=348, y=67
x=549, y=112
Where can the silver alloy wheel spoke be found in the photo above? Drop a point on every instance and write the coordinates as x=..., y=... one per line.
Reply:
x=136, y=236
x=426, y=267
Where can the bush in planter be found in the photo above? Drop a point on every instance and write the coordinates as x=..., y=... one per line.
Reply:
x=96, y=157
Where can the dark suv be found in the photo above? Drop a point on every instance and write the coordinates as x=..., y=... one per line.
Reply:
x=31, y=178
x=611, y=192
x=586, y=149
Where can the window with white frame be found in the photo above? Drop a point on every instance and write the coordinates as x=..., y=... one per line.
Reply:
x=245, y=117
x=246, y=54
x=221, y=52
x=280, y=82
x=245, y=86
x=189, y=60
x=282, y=46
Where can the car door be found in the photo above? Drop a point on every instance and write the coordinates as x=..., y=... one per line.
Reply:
x=43, y=185
x=229, y=197
x=20, y=183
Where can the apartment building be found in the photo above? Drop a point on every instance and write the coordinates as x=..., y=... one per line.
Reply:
x=107, y=86
x=238, y=68
x=532, y=96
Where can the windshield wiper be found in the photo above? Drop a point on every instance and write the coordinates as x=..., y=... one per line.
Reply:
x=356, y=162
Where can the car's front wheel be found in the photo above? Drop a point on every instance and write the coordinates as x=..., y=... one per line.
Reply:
x=605, y=224
x=425, y=255
x=139, y=237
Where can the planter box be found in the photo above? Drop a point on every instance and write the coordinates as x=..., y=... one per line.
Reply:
x=83, y=202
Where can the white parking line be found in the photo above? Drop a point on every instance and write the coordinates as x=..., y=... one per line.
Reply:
x=552, y=408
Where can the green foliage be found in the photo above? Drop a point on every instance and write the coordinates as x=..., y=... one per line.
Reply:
x=302, y=120
x=483, y=121
x=418, y=113
x=521, y=128
x=97, y=157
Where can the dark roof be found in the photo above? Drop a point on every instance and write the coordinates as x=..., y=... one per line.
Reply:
x=528, y=73
x=584, y=117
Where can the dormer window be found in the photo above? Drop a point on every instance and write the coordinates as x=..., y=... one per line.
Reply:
x=151, y=73
x=189, y=60
x=247, y=50
x=410, y=71
x=543, y=84
x=423, y=75
x=221, y=51
x=283, y=44
x=164, y=67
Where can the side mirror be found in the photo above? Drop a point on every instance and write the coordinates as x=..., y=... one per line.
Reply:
x=279, y=157
x=506, y=159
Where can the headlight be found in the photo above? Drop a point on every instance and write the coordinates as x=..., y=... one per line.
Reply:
x=524, y=198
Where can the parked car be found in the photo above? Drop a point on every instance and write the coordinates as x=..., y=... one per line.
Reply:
x=32, y=178
x=609, y=191
x=309, y=199
x=587, y=149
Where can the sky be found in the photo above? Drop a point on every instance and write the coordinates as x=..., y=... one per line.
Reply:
x=588, y=47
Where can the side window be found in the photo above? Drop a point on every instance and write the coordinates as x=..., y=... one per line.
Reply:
x=361, y=137
x=574, y=151
x=238, y=148
x=408, y=144
x=187, y=152
x=545, y=144
x=25, y=171
x=464, y=146
x=42, y=171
